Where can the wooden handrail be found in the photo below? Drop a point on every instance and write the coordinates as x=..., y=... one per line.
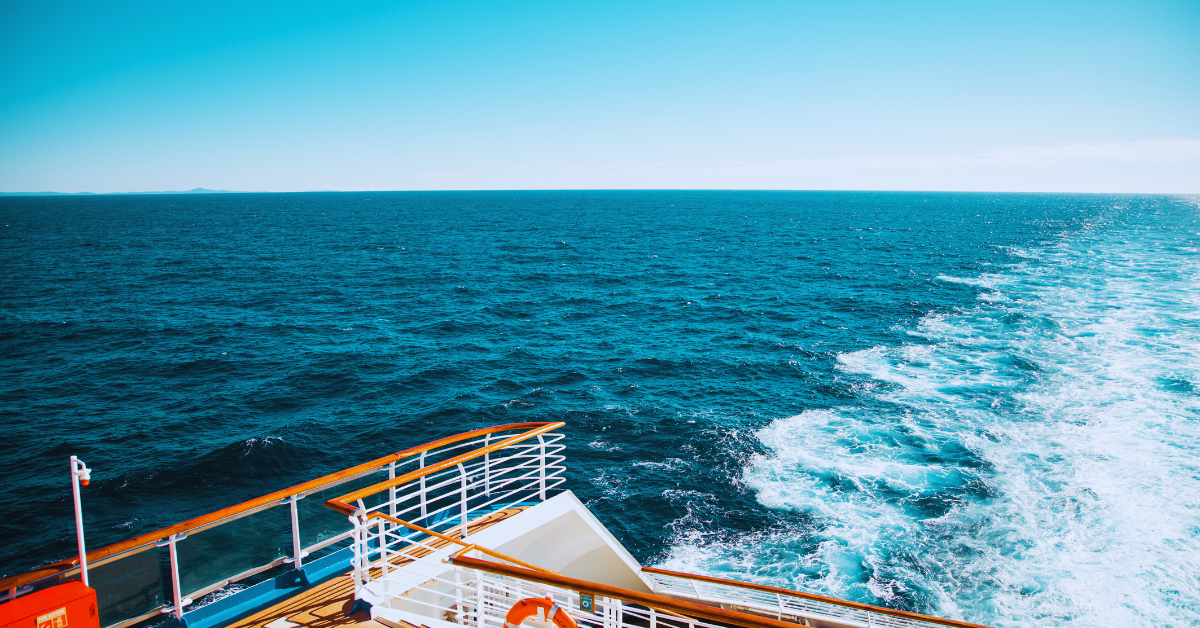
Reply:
x=344, y=504
x=467, y=547
x=151, y=537
x=672, y=605
x=510, y=559
x=812, y=596
x=464, y=544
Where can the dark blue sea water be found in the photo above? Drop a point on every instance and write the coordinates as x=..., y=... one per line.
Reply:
x=976, y=405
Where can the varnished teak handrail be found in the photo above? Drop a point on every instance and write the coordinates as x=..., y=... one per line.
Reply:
x=672, y=605
x=466, y=546
x=152, y=537
x=812, y=596
x=344, y=504
x=710, y=613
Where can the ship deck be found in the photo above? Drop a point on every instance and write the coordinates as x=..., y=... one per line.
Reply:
x=328, y=604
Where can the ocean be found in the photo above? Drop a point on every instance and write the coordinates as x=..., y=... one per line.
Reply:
x=980, y=406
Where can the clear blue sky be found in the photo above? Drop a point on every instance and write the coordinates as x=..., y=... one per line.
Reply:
x=1036, y=96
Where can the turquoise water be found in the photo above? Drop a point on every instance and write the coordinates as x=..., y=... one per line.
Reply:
x=972, y=405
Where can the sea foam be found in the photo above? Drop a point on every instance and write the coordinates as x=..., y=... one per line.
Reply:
x=1032, y=461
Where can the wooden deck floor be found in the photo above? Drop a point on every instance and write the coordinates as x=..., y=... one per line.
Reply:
x=328, y=604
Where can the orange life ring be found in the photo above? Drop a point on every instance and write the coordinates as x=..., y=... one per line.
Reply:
x=543, y=607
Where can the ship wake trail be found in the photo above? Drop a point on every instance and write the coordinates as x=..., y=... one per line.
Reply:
x=1033, y=460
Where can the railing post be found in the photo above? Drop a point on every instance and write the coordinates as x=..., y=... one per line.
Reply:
x=177, y=600
x=360, y=540
x=479, y=602
x=462, y=472
x=383, y=549
x=392, y=490
x=297, y=548
x=424, y=503
x=460, y=604
x=175, y=590
x=542, y=466
x=779, y=601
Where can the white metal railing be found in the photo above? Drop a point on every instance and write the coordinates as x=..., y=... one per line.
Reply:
x=404, y=543
x=432, y=588
x=162, y=572
x=780, y=605
x=499, y=593
x=448, y=500
x=138, y=587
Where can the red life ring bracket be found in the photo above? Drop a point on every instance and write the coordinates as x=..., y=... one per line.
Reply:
x=543, y=608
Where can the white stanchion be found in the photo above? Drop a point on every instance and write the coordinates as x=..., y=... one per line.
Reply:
x=80, y=474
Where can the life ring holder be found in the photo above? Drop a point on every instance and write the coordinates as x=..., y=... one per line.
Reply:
x=530, y=607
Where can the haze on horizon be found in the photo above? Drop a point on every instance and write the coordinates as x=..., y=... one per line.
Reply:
x=1018, y=96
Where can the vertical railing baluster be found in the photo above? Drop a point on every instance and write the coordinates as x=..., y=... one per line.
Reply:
x=542, y=466
x=383, y=560
x=779, y=600
x=462, y=472
x=479, y=602
x=392, y=490
x=424, y=503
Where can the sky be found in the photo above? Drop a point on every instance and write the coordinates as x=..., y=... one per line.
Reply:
x=993, y=96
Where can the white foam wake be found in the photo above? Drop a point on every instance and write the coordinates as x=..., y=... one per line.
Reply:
x=1033, y=461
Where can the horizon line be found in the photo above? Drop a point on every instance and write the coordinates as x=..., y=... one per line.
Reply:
x=208, y=192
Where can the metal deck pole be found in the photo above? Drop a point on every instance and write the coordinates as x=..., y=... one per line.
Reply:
x=79, y=471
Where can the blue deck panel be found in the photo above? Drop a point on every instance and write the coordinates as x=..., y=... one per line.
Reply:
x=264, y=594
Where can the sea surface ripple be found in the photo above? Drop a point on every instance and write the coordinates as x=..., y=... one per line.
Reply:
x=983, y=406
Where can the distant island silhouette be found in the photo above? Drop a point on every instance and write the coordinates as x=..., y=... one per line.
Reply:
x=191, y=191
